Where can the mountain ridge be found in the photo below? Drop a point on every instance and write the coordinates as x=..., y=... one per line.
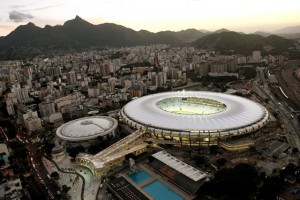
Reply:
x=233, y=42
x=75, y=34
x=288, y=30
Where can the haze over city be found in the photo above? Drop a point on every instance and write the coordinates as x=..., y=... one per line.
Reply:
x=155, y=15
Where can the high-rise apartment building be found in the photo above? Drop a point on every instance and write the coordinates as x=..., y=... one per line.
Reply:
x=46, y=108
x=72, y=77
x=203, y=69
x=256, y=56
x=218, y=68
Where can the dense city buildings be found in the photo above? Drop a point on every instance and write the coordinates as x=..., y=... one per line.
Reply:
x=145, y=121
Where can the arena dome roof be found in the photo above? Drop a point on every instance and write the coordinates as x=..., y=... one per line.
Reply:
x=195, y=111
x=86, y=128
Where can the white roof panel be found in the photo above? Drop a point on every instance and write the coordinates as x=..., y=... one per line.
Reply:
x=86, y=128
x=180, y=166
x=239, y=113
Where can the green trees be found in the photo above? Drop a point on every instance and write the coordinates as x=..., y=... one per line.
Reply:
x=233, y=183
x=221, y=162
x=214, y=150
x=74, y=151
x=200, y=159
x=270, y=188
x=55, y=175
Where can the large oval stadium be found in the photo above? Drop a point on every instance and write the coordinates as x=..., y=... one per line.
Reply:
x=194, y=117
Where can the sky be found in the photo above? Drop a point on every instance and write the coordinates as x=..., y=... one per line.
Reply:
x=155, y=15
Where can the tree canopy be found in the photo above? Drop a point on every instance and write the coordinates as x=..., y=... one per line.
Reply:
x=233, y=183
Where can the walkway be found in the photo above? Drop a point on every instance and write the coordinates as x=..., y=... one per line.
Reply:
x=84, y=186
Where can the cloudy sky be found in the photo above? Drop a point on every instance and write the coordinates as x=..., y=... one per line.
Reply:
x=155, y=15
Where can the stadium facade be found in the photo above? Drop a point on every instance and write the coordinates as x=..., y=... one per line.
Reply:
x=194, y=117
x=181, y=118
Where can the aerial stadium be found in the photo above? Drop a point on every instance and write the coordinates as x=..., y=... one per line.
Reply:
x=194, y=117
x=182, y=119
x=87, y=128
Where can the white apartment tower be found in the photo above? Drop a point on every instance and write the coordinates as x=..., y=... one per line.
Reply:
x=72, y=77
x=256, y=56
x=46, y=108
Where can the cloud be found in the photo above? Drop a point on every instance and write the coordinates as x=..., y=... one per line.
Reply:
x=32, y=9
x=47, y=7
x=17, y=6
x=19, y=17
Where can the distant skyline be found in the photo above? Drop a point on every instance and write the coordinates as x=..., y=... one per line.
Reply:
x=155, y=15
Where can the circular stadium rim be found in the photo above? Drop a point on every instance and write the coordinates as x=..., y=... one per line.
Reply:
x=240, y=116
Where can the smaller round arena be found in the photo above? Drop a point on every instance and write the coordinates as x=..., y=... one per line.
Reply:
x=87, y=128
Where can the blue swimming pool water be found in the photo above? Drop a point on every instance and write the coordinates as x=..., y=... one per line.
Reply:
x=139, y=176
x=160, y=191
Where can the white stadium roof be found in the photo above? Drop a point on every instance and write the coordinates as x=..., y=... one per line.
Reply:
x=178, y=165
x=86, y=128
x=240, y=114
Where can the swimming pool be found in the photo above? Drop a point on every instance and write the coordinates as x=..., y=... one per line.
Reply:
x=139, y=176
x=159, y=191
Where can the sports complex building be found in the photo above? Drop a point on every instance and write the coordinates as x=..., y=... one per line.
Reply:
x=87, y=128
x=194, y=117
x=180, y=118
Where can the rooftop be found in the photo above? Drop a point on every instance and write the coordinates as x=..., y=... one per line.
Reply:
x=124, y=190
x=180, y=166
x=86, y=128
x=216, y=113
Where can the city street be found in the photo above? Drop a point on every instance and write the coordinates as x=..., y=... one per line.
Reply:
x=40, y=171
x=282, y=108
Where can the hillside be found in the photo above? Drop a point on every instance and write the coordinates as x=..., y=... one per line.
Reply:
x=228, y=42
x=288, y=30
x=27, y=41
x=76, y=34
x=189, y=35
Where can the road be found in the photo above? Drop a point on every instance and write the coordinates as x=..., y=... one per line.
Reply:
x=282, y=108
x=284, y=73
x=40, y=171
x=189, y=86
